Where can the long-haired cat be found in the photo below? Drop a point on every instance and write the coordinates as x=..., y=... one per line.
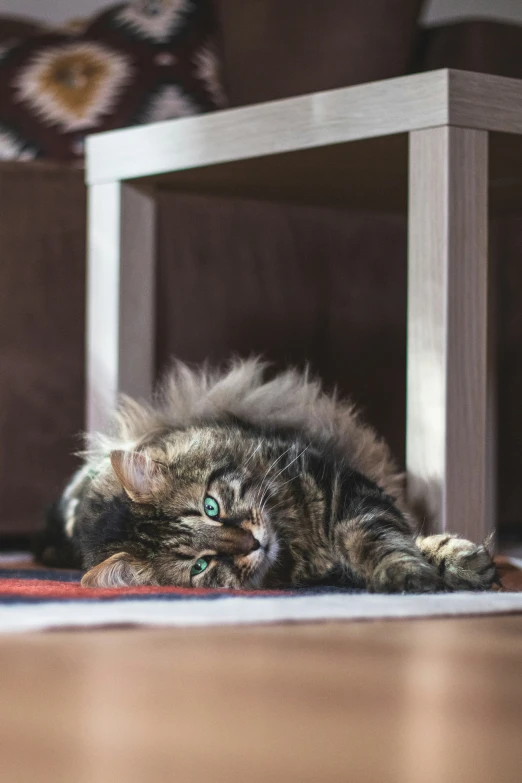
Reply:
x=231, y=480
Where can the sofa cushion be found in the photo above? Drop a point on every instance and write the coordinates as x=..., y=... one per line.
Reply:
x=278, y=48
x=138, y=62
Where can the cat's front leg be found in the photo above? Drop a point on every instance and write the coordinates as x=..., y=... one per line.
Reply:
x=378, y=547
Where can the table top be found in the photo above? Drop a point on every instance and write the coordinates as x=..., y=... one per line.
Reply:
x=344, y=147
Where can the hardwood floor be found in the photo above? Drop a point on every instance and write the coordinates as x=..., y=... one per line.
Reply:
x=417, y=702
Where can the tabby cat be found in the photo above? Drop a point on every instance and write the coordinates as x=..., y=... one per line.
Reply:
x=231, y=480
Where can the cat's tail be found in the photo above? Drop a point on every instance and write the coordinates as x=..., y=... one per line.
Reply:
x=51, y=546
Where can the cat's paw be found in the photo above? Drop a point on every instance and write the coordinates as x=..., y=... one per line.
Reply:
x=401, y=573
x=461, y=564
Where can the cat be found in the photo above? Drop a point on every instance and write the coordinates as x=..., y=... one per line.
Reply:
x=229, y=480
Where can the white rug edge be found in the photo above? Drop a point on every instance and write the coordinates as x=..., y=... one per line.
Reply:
x=57, y=615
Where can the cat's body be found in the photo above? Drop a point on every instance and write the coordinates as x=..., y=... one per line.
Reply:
x=230, y=481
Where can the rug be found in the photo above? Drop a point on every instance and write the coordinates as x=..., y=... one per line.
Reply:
x=33, y=599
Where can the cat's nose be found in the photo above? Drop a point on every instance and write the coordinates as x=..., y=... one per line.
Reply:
x=236, y=541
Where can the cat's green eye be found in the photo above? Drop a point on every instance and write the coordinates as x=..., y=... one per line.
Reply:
x=211, y=507
x=199, y=566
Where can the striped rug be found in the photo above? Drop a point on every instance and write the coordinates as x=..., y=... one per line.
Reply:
x=33, y=599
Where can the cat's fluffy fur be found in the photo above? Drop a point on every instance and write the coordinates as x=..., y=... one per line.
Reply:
x=291, y=399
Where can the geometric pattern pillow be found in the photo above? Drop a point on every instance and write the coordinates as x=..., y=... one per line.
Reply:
x=138, y=62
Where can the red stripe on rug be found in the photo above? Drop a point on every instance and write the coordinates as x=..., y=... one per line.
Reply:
x=42, y=588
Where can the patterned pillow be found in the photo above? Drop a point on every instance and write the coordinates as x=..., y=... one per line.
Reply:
x=139, y=62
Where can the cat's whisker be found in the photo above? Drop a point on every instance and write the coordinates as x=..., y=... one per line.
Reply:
x=271, y=484
x=274, y=463
x=278, y=505
x=253, y=453
x=283, y=470
x=273, y=493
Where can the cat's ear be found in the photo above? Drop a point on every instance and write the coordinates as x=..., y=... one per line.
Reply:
x=141, y=477
x=120, y=570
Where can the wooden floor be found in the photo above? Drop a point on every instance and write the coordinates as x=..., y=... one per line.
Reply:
x=416, y=702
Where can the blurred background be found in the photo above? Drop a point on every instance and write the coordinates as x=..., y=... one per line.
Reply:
x=433, y=11
x=294, y=283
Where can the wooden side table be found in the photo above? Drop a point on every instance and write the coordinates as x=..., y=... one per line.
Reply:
x=351, y=147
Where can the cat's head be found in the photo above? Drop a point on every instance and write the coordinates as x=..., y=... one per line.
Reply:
x=198, y=509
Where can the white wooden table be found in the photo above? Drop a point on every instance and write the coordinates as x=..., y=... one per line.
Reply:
x=420, y=143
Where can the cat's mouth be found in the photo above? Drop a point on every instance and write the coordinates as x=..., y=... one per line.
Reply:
x=263, y=557
x=271, y=548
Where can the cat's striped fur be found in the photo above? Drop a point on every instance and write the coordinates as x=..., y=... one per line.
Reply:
x=306, y=494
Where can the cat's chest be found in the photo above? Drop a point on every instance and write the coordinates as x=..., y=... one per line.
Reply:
x=311, y=565
x=309, y=555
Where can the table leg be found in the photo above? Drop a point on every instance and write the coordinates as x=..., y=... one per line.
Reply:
x=120, y=297
x=447, y=385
